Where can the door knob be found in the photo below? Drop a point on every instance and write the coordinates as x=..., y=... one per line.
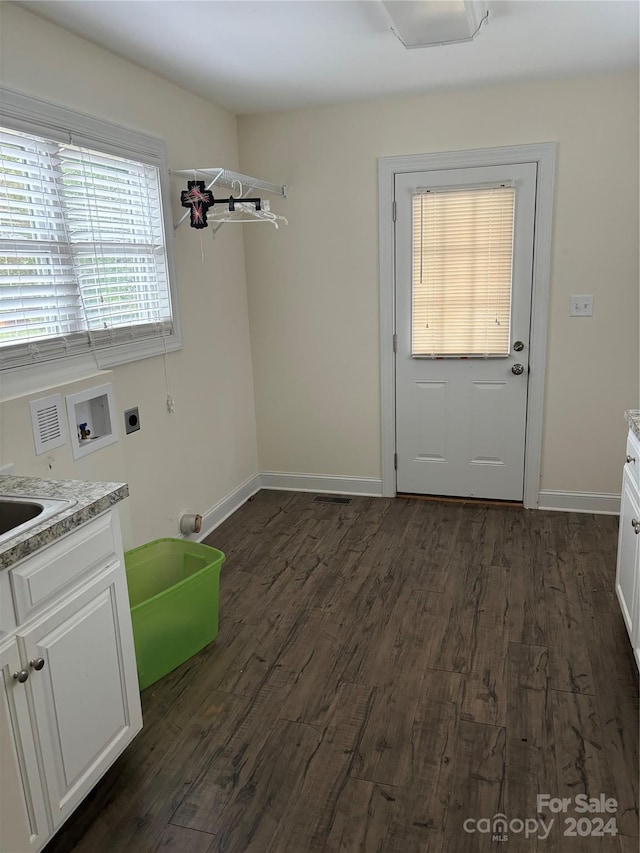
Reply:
x=21, y=676
x=631, y=459
x=517, y=369
x=634, y=523
x=518, y=346
x=37, y=664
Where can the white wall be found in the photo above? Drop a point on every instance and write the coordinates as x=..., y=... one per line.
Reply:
x=313, y=289
x=195, y=457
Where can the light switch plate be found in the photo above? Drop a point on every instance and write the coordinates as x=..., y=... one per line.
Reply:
x=581, y=305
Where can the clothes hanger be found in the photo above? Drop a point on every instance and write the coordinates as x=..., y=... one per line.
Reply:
x=254, y=210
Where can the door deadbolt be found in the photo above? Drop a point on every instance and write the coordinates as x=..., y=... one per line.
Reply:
x=517, y=369
x=518, y=346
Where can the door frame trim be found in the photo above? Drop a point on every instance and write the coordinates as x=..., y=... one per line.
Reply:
x=544, y=154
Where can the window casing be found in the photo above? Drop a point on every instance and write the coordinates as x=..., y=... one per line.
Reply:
x=85, y=240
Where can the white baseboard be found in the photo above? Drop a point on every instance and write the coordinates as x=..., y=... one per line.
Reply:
x=368, y=486
x=601, y=504
x=224, y=508
x=286, y=482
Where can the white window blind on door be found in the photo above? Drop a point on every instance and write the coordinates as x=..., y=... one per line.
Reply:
x=82, y=250
x=462, y=271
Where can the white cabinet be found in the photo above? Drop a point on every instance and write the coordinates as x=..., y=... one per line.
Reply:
x=82, y=695
x=23, y=817
x=79, y=707
x=628, y=565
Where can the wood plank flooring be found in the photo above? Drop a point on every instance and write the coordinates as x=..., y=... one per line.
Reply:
x=385, y=671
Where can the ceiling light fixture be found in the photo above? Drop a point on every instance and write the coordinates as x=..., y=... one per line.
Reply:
x=427, y=23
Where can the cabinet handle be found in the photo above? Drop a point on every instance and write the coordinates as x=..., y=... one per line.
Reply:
x=636, y=525
x=631, y=459
x=37, y=664
x=21, y=676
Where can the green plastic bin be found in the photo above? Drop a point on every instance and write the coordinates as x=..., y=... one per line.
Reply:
x=174, y=591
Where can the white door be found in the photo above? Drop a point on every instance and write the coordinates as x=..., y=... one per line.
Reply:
x=85, y=690
x=463, y=274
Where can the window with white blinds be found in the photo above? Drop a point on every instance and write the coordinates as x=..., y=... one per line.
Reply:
x=462, y=271
x=83, y=260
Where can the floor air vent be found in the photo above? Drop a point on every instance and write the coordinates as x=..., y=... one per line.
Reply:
x=331, y=499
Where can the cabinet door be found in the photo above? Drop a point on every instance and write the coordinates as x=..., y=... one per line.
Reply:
x=23, y=819
x=628, y=545
x=635, y=639
x=86, y=696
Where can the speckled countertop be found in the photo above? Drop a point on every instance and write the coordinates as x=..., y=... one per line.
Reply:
x=633, y=419
x=90, y=500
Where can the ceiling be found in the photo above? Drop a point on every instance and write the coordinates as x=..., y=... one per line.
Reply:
x=263, y=55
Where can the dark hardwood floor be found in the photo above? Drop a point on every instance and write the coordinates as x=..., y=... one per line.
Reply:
x=386, y=671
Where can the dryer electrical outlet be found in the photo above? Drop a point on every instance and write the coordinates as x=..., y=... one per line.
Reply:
x=131, y=420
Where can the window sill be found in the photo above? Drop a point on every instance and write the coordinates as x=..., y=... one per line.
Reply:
x=41, y=378
x=47, y=375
